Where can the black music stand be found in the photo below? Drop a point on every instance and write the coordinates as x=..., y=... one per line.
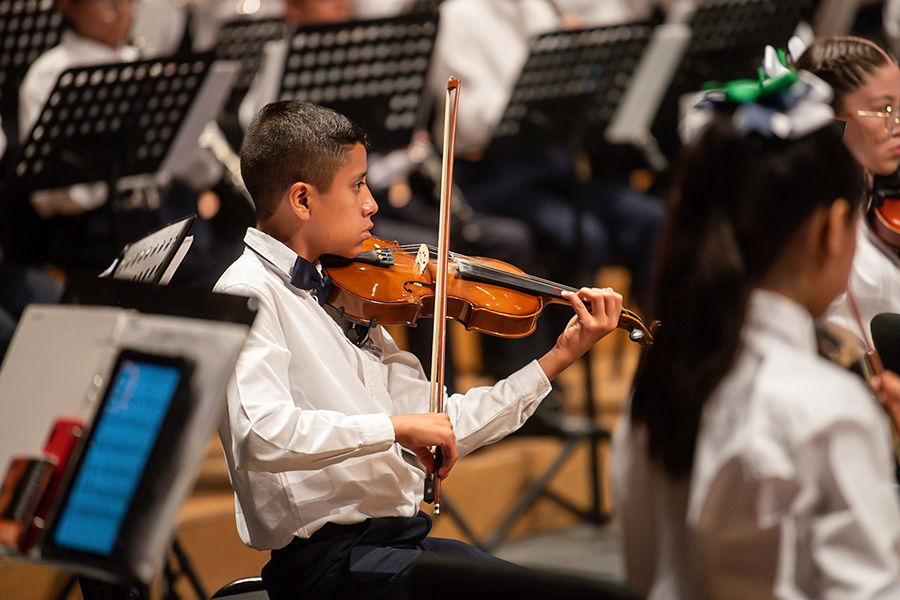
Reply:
x=154, y=257
x=571, y=79
x=372, y=71
x=570, y=84
x=125, y=124
x=28, y=28
x=243, y=40
x=727, y=42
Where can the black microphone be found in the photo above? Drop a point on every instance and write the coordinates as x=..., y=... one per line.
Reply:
x=885, y=329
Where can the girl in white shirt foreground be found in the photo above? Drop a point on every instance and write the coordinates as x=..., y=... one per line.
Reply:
x=749, y=467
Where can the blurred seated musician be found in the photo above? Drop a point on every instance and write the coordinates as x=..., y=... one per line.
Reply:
x=96, y=33
x=74, y=226
x=19, y=287
x=866, y=83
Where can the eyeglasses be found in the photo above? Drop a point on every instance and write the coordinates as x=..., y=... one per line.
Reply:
x=890, y=115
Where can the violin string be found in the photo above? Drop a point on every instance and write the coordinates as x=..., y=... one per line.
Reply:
x=411, y=248
x=529, y=278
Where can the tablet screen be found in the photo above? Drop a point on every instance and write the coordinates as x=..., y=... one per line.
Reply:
x=124, y=433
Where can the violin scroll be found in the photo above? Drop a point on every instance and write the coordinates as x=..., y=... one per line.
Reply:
x=638, y=332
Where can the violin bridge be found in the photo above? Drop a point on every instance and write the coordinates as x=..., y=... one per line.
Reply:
x=422, y=257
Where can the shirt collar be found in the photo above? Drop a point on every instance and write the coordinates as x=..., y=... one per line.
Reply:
x=276, y=253
x=774, y=315
x=292, y=267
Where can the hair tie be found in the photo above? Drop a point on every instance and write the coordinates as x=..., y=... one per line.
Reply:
x=782, y=102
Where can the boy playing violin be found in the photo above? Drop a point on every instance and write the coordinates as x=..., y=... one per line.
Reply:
x=316, y=423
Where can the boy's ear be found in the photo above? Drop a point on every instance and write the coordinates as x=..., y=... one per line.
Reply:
x=298, y=198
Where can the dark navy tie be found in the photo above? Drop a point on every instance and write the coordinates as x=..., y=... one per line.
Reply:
x=305, y=276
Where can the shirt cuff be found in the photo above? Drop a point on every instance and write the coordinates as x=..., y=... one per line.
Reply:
x=377, y=432
x=531, y=382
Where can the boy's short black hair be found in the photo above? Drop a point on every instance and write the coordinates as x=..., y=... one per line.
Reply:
x=290, y=141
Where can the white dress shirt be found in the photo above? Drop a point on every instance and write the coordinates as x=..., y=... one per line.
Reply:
x=308, y=438
x=792, y=493
x=874, y=280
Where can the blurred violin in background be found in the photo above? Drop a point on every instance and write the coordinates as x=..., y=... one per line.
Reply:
x=884, y=213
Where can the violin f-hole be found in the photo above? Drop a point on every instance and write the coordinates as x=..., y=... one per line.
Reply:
x=407, y=285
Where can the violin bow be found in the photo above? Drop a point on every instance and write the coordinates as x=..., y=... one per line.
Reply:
x=877, y=367
x=438, y=340
x=872, y=355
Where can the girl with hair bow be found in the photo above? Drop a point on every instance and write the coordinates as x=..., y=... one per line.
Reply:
x=748, y=466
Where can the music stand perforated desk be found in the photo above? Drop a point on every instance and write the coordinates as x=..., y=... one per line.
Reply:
x=28, y=28
x=111, y=121
x=154, y=257
x=243, y=40
x=125, y=124
x=572, y=81
x=371, y=71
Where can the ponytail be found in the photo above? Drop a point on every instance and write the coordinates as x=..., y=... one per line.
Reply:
x=737, y=201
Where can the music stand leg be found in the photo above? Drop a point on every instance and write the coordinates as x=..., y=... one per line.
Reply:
x=531, y=495
x=92, y=589
x=582, y=176
x=113, y=208
x=187, y=569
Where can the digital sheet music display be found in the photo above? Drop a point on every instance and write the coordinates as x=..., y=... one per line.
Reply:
x=124, y=435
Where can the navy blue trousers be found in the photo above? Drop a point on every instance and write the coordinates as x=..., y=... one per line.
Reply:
x=367, y=560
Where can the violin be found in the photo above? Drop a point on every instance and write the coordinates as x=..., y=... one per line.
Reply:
x=884, y=214
x=389, y=284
